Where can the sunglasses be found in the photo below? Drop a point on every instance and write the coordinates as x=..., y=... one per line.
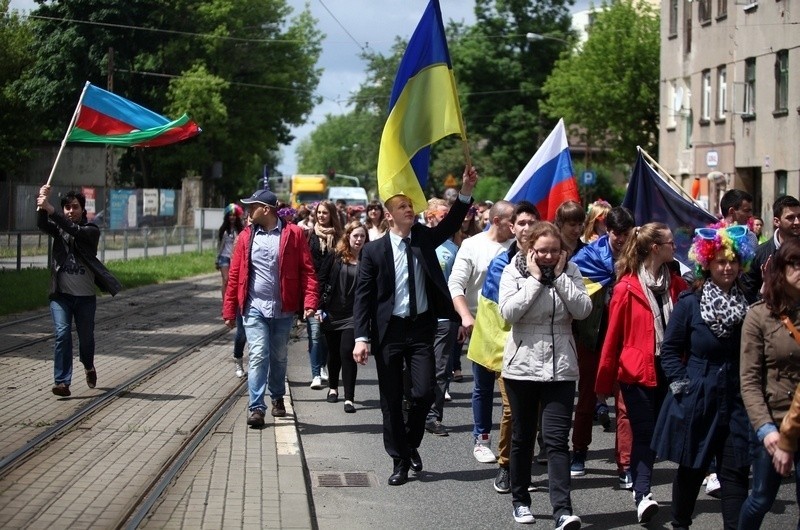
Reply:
x=735, y=232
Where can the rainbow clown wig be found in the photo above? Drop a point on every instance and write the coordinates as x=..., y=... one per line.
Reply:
x=732, y=240
x=234, y=209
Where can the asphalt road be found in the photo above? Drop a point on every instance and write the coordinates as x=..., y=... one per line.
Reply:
x=454, y=490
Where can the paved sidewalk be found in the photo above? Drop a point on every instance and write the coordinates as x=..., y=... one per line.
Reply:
x=238, y=478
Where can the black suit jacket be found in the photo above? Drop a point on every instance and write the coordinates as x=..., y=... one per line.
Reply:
x=375, y=288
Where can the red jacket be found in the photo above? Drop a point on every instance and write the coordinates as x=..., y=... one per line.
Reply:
x=628, y=353
x=298, y=281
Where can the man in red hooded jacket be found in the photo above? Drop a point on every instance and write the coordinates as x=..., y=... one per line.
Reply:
x=271, y=278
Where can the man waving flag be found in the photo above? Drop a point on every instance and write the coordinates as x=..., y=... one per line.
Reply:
x=423, y=109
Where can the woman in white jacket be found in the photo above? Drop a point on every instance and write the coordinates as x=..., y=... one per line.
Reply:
x=540, y=294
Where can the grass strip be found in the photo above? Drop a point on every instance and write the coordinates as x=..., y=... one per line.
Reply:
x=28, y=289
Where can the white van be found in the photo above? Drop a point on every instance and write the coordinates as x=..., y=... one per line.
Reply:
x=351, y=195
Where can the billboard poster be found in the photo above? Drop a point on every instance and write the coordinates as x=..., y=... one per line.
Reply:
x=167, y=202
x=149, y=201
x=91, y=202
x=123, y=209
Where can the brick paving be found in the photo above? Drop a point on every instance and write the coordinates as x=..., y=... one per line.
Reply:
x=90, y=476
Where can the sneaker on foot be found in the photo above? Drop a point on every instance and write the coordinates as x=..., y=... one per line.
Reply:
x=323, y=373
x=625, y=480
x=436, y=427
x=502, y=482
x=91, y=378
x=712, y=485
x=278, y=408
x=239, y=369
x=568, y=522
x=646, y=509
x=61, y=389
x=458, y=376
x=577, y=467
x=482, y=450
x=256, y=418
x=316, y=382
x=601, y=413
x=522, y=514
x=447, y=396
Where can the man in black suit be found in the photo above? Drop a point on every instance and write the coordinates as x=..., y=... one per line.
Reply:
x=396, y=310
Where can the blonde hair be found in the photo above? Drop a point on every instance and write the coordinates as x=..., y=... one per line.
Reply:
x=638, y=247
x=597, y=213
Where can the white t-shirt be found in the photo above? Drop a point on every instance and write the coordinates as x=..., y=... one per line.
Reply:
x=471, y=265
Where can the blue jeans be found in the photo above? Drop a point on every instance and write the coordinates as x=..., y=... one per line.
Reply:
x=482, y=398
x=317, y=346
x=65, y=308
x=766, y=482
x=269, y=346
x=240, y=339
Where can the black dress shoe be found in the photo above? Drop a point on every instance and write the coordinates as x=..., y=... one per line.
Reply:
x=400, y=474
x=416, y=461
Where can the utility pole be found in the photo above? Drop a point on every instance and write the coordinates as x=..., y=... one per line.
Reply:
x=109, y=148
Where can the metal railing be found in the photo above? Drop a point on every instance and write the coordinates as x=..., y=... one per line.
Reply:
x=31, y=249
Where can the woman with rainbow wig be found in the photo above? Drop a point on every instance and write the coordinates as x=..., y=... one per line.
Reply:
x=703, y=416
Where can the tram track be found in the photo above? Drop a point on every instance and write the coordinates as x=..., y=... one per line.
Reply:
x=16, y=458
x=102, y=319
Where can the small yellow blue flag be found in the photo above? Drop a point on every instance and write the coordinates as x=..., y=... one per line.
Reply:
x=423, y=109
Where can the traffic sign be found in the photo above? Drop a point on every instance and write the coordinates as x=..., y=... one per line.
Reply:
x=589, y=178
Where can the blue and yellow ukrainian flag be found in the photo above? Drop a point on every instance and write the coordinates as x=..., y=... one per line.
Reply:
x=489, y=334
x=423, y=109
x=596, y=263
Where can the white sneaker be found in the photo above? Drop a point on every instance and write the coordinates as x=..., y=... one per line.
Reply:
x=447, y=396
x=522, y=514
x=712, y=485
x=239, y=369
x=323, y=373
x=646, y=509
x=316, y=383
x=482, y=450
x=568, y=522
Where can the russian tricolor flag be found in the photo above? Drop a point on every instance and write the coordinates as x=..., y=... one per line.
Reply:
x=548, y=179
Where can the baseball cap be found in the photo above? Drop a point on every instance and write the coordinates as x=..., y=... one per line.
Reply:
x=262, y=196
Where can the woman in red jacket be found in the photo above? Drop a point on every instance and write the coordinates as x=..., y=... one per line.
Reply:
x=640, y=307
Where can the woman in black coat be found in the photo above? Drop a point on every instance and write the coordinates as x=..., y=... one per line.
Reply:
x=703, y=415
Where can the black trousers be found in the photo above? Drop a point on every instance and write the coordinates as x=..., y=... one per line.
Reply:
x=555, y=400
x=406, y=343
x=340, y=357
x=733, y=480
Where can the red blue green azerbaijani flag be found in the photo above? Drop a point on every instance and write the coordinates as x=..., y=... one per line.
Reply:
x=104, y=117
x=423, y=109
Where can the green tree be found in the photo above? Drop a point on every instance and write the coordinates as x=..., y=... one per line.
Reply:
x=608, y=90
x=243, y=69
x=17, y=126
x=500, y=74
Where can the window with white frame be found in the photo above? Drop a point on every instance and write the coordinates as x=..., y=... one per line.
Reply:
x=749, y=86
x=782, y=80
x=705, y=95
x=722, y=91
x=673, y=17
x=781, y=178
x=722, y=8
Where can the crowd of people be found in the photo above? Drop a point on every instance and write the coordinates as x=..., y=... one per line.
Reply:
x=699, y=368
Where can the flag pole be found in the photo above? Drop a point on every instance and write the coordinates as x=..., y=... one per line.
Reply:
x=69, y=129
x=674, y=182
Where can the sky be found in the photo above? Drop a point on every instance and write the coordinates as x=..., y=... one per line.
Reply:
x=348, y=26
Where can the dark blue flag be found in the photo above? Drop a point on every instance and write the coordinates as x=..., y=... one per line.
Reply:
x=653, y=200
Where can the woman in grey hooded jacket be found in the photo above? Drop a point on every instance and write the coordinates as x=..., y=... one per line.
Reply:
x=540, y=294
